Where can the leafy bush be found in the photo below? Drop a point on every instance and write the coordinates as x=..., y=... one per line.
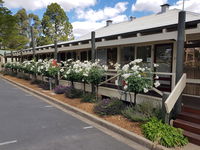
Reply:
x=44, y=85
x=95, y=75
x=26, y=77
x=164, y=134
x=60, y=89
x=142, y=112
x=132, y=114
x=36, y=82
x=71, y=92
x=109, y=107
x=88, y=98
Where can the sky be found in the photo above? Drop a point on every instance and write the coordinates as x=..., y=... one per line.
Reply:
x=88, y=15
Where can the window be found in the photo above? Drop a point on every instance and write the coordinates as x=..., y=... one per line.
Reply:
x=163, y=57
x=73, y=55
x=127, y=54
x=69, y=55
x=111, y=57
x=83, y=55
x=89, y=55
x=144, y=53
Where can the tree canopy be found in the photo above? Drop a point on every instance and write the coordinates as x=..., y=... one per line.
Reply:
x=15, y=29
x=55, y=24
x=9, y=32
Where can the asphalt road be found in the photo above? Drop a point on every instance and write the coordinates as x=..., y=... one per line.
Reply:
x=28, y=123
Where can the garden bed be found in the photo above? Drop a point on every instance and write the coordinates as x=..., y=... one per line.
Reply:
x=118, y=120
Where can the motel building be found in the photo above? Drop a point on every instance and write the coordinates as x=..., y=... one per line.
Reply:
x=154, y=39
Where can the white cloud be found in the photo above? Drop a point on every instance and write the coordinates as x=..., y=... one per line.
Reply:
x=83, y=27
x=148, y=5
x=119, y=18
x=38, y=4
x=190, y=5
x=102, y=14
x=94, y=19
x=154, y=5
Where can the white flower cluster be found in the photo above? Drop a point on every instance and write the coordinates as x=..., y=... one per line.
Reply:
x=135, y=74
x=80, y=70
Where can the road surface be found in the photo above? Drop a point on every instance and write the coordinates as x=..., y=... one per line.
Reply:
x=28, y=123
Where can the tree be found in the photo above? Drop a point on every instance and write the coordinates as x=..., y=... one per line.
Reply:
x=43, y=40
x=9, y=32
x=25, y=21
x=35, y=22
x=55, y=24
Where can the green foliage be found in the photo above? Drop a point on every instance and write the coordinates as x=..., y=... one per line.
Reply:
x=71, y=92
x=26, y=77
x=42, y=40
x=164, y=134
x=9, y=32
x=45, y=85
x=142, y=112
x=132, y=114
x=25, y=21
x=109, y=107
x=36, y=23
x=73, y=76
x=88, y=98
x=36, y=82
x=137, y=84
x=95, y=75
x=56, y=24
x=53, y=71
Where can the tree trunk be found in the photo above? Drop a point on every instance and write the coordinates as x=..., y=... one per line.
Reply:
x=72, y=84
x=135, y=96
x=84, y=87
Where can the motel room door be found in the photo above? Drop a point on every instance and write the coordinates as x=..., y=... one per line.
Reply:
x=192, y=68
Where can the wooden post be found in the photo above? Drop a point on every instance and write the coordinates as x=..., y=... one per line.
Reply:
x=93, y=54
x=56, y=49
x=11, y=56
x=93, y=46
x=21, y=59
x=5, y=57
x=165, y=115
x=119, y=55
x=33, y=42
x=180, y=56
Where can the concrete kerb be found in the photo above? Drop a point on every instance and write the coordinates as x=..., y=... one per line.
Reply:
x=130, y=135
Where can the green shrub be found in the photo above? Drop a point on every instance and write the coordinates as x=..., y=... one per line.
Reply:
x=109, y=107
x=132, y=114
x=88, y=98
x=36, y=82
x=44, y=85
x=142, y=112
x=164, y=134
x=71, y=92
x=26, y=77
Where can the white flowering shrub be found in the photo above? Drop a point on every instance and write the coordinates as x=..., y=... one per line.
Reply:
x=83, y=71
x=134, y=77
x=29, y=67
x=86, y=72
x=96, y=72
x=73, y=70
